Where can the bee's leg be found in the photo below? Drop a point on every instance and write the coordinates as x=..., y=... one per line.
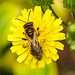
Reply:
x=24, y=39
x=38, y=31
x=32, y=52
x=38, y=28
x=38, y=57
x=23, y=33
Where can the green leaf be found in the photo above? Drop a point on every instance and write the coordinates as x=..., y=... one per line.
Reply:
x=70, y=37
x=70, y=4
x=42, y=2
x=71, y=31
x=70, y=42
x=72, y=47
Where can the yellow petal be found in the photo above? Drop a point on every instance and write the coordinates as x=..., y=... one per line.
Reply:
x=48, y=42
x=41, y=63
x=12, y=37
x=21, y=50
x=13, y=28
x=46, y=17
x=33, y=65
x=21, y=20
x=47, y=14
x=19, y=26
x=34, y=60
x=17, y=23
x=37, y=12
x=37, y=16
x=22, y=42
x=30, y=56
x=47, y=20
x=19, y=34
x=22, y=57
x=56, y=36
x=15, y=48
x=50, y=46
x=59, y=45
x=57, y=22
x=16, y=42
x=59, y=28
x=59, y=36
x=52, y=49
x=51, y=31
x=46, y=23
x=54, y=56
x=46, y=31
x=27, y=61
x=25, y=14
x=46, y=52
x=48, y=60
x=25, y=44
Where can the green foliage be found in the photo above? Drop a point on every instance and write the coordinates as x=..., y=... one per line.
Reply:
x=6, y=14
x=72, y=47
x=71, y=31
x=5, y=71
x=22, y=3
x=71, y=36
x=42, y=2
x=50, y=69
x=70, y=4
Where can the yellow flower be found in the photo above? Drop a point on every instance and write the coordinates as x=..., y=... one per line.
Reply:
x=48, y=29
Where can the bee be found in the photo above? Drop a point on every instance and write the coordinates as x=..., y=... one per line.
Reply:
x=31, y=36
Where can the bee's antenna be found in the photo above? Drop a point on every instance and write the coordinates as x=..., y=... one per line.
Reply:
x=28, y=16
x=20, y=20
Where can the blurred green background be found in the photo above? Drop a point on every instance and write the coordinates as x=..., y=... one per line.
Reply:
x=8, y=64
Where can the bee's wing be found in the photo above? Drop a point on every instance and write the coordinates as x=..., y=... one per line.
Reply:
x=29, y=39
x=34, y=40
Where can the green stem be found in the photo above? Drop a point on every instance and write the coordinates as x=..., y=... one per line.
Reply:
x=42, y=9
x=56, y=15
x=73, y=14
x=53, y=11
